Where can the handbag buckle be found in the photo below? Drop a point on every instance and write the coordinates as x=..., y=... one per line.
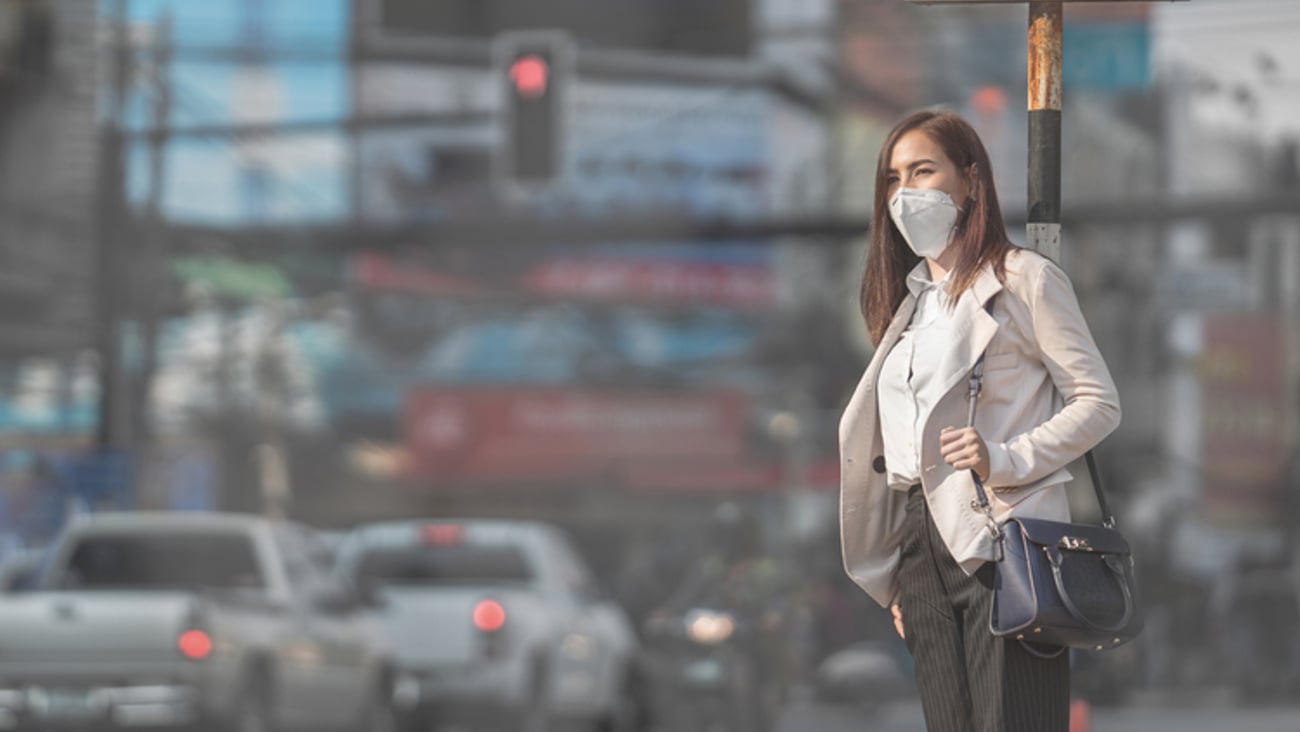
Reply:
x=1075, y=543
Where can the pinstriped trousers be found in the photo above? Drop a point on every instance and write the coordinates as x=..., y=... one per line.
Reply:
x=969, y=680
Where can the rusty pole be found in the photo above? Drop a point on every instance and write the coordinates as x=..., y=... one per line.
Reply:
x=1043, y=230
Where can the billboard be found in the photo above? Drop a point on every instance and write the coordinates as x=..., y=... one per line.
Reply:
x=1243, y=424
x=698, y=441
x=545, y=435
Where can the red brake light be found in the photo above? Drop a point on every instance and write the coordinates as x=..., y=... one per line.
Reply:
x=489, y=616
x=195, y=645
x=443, y=534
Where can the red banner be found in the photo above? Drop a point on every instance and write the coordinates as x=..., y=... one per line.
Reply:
x=540, y=435
x=605, y=279
x=380, y=272
x=649, y=280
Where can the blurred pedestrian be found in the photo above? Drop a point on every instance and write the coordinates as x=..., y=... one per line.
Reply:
x=944, y=285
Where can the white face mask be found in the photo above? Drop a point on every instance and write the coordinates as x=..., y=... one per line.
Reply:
x=925, y=217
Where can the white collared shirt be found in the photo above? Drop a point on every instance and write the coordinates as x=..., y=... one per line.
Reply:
x=909, y=387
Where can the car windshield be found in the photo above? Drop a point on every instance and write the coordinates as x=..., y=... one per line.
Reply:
x=445, y=565
x=163, y=562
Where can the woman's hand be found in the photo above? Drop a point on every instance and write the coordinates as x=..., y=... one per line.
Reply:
x=896, y=610
x=964, y=449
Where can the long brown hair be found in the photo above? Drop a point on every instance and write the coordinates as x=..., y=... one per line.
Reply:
x=980, y=234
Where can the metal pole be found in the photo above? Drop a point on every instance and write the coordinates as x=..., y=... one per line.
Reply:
x=1043, y=230
x=111, y=219
x=162, y=107
x=359, y=105
x=153, y=261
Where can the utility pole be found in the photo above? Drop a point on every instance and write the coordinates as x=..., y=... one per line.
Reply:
x=111, y=218
x=154, y=259
x=1043, y=213
x=257, y=96
x=274, y=488
x=1288, y=264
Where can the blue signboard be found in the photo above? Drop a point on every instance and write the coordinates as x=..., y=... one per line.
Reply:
x=1112, y=56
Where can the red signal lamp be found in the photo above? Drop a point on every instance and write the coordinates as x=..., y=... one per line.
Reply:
x=531, y=75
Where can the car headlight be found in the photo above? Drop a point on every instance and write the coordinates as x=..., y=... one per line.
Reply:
x=578, y=647
x=708, y=627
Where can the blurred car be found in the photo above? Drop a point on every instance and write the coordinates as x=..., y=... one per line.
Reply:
x=143, y=620
x=706, y=673
x=496, y=622
x=19, y=571
x=863, y=674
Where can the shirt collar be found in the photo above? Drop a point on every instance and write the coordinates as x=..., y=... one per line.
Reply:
x=986, y=284
x=918, y=280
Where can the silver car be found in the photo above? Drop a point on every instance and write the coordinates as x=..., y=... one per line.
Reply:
x=496, y=622
x=149, y=620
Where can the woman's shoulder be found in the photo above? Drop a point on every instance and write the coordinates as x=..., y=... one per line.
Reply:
x=1025, y=269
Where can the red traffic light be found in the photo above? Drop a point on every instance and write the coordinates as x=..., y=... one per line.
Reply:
x=530, y=75
x=534, y=71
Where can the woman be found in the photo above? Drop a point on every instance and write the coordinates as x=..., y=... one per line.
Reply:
x=942, y=286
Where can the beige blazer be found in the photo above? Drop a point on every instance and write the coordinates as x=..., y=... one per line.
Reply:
x=1047, y=399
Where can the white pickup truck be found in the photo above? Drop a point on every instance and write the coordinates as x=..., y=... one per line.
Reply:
x=497, y=622
x=143, y=620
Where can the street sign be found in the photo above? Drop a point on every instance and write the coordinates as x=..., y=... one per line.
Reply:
x=1113, y=56
x=228, y=278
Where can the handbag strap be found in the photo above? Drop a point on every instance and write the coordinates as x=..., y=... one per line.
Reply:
x=982, y=500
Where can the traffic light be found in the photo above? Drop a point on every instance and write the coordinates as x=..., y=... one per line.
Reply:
x=535, y=69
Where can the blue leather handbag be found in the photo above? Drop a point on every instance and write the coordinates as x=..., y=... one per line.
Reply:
x=1060, y=585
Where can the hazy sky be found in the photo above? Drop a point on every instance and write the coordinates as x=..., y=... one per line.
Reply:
x=1237, y=45
x=205, y=176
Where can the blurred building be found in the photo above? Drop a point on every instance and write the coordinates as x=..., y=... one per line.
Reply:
x=48, y=168
x=48, y=163
x=1228, y=295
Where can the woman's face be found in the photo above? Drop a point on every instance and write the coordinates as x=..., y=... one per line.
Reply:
x=917, y=162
